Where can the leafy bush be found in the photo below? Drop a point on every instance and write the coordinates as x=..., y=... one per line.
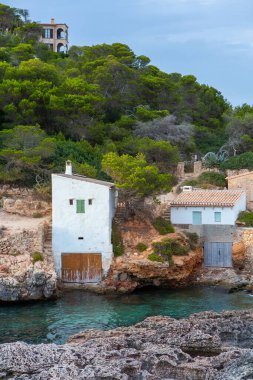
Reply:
x=212, y=178
x=166, y=248
x=155, y=257
x=246, y=217
x=188, y=167
x=44, y=192
x=170, y=247
x=141, y=247
x=37, y=256
x=163, y=226
x=117, y=242
x=243, y=161
x=193, y=239
x=190, y=182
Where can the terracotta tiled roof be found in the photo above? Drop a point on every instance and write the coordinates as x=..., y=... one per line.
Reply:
x=86, y=179
x=208, y=198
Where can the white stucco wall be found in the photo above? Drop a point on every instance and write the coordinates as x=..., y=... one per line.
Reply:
x=94, y=225
x=183, y=215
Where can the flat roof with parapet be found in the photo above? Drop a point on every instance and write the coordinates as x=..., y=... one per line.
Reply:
x=208, y=198
x=87, y=179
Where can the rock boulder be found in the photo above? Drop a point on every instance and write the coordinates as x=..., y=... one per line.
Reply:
x=205, y=346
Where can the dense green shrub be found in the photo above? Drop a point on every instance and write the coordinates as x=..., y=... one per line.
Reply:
x=170, y=247
x=163, y=226
x=243, y=161
x=205, y=179
x=193, y=239
x=166, y=248
x=37, y=256
x=117, y=241
x=141, y=247
x=190, y=182
x=155, y=257
x=44, y=192
x=212, y=178
x=188, y=167
x=246, y=217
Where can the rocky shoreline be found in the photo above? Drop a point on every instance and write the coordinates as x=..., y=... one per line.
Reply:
x=205, y=346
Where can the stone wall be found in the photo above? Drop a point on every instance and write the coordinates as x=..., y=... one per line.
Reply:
x=18, y=244
x=26, y=207
x=23, y=201
x=23, y=242
x=243, y=182
x=218, y=234
x=15, y=192
x=20, y=277
x=236, y=172
x=197, y=170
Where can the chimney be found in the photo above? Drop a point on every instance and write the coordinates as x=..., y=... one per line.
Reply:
x=68, y=169
x=52, y=21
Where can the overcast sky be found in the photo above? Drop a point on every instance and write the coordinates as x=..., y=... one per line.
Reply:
x=211, y=39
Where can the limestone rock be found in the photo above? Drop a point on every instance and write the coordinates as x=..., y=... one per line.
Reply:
x=20, y=278
x=127, y=274
x=206, y=346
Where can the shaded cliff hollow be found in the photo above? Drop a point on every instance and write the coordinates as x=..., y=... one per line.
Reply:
x=204, y=346
x=134, y=269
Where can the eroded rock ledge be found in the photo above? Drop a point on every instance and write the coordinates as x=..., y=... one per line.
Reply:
x=204, y=346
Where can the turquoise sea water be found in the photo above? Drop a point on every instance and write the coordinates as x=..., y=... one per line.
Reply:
x=55, y=321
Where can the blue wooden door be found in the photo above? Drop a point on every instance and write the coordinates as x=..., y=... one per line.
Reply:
x=196, y=217
x=218, y=255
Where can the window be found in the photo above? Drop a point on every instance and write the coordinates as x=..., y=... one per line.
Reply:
x=80, y=209
x=48, y=33
x=217, y=216
x=71, y=202
x=90, y=202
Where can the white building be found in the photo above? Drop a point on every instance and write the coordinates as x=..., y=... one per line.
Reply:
x=213, y=207
x=212, y=214
x=83, y=209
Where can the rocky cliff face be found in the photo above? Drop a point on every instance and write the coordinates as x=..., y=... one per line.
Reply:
x=129, y=273
x=24, y=201
x=22, y=278
x=206, y=346
x=134, y=269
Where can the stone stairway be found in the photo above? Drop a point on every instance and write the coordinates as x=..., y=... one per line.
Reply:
x=166, y=214
x=47, y=247
x=120, y=213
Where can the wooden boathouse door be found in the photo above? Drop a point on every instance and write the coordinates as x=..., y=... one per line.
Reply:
x=81, y=267
x=218, y=255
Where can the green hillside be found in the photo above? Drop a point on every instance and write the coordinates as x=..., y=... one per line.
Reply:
x=101, y=102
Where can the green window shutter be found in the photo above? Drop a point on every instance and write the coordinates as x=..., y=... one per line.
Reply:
x=80, y=208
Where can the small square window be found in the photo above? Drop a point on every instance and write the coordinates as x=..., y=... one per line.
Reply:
x=71, y=202
x=90, y=202
x=217, y=216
